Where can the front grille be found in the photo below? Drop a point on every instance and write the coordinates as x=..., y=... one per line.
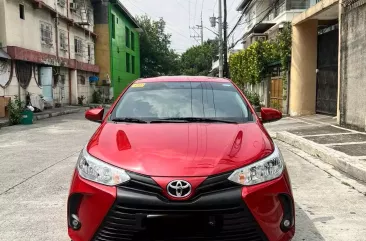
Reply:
x=215, y=183
x=146, y=184
x=128, y=219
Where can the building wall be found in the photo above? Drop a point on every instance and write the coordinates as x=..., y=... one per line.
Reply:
x=353, y=72
x=120, y=76
x=2, y=24
x=26, y=33
x=102, y=47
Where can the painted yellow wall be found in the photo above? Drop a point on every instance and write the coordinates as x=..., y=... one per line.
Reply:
x=102, y=51
x=303, y=68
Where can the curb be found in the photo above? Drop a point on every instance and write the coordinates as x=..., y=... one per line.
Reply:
x=339, y=160
x=49, y=115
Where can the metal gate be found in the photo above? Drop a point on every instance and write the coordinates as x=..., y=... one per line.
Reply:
x=327, y=76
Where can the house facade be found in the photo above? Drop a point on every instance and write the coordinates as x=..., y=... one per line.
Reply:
x=50, y=44
x=118, y=47
x=263, y=19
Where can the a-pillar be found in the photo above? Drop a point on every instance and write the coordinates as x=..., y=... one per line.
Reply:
x=303, y=68
x=74, y=86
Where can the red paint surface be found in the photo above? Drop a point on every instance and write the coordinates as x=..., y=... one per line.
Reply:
x=184, y=149
x=264, y=204
x=97, y=201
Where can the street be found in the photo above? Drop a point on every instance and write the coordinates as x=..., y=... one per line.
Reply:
x=37, y=163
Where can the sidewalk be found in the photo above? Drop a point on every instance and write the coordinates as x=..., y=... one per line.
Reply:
x=49, y=113
x=319, y=136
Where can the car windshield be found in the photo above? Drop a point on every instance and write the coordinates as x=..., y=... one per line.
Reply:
x=186, y=101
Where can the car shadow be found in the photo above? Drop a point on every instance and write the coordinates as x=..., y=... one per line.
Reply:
x=305, y=228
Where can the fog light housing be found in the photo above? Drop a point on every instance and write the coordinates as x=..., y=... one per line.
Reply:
x=73, y=209
x=75, y=222
x=288, y=219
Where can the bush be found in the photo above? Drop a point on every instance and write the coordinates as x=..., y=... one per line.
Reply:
x=97, y=97
x=16, y=108
x=253, y=98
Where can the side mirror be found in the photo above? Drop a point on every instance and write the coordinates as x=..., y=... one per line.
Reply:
x=270, y=114
x=95, y=115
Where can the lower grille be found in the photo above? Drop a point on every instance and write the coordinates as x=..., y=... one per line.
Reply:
x=133, y=218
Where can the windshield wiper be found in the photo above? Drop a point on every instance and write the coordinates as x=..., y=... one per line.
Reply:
x=130, y=120
x=193, y=119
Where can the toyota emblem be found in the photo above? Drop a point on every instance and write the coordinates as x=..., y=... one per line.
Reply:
x=179, y=188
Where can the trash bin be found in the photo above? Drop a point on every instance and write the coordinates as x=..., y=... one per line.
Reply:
x=27, y=117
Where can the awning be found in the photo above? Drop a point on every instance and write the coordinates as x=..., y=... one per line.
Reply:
x=4, y=55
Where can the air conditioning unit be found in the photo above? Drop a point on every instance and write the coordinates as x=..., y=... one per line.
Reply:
x=74, y=6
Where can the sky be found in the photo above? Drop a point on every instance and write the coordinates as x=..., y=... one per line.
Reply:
x=181, y=15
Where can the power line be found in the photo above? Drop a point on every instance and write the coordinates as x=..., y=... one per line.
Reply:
x=164, y=20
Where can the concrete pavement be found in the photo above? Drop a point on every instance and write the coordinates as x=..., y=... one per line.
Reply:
x=37, y=163
x=319, y=136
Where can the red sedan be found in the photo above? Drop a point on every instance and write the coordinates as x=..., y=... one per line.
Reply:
x=181, y=158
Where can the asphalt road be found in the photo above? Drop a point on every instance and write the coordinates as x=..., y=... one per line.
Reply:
x=36, y=164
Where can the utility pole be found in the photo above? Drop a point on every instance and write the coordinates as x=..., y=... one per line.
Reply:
x=198, y=35
x=226, y=67
x=221, y=74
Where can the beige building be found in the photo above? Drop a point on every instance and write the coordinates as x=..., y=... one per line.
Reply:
x=47, y=48
x=314, y=70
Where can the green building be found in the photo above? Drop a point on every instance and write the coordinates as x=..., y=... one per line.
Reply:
x=117, y=49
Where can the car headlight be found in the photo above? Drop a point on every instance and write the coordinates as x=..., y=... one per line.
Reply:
x=95, y=170
x=261, y=171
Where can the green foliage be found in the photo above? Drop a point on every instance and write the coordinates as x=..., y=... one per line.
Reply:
x=157, y=58
x=97, y=97
x=16, y=108
x=251, y=65
x=252, y=97
x=197, y=60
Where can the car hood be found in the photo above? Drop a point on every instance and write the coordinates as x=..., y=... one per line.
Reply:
x=180, y=149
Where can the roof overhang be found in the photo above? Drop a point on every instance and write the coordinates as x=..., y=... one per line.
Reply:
x=118, y=4
x=4, y=55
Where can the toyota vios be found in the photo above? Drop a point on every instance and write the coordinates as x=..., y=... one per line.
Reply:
x=181, y=158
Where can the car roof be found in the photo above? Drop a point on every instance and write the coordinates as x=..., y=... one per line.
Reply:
x=183, y=78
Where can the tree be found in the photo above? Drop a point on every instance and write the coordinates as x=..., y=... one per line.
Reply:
x=157, y=58
x=197, y=60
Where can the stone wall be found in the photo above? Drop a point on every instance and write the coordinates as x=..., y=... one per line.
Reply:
x=352, y=66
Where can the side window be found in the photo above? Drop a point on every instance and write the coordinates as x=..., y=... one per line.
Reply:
x=133, y=64
x=128, y=62
x=132, y=41
x=113, y=27
x=127, y=34
x=21, y=11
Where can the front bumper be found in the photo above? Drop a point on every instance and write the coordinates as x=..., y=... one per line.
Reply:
x=117, y=213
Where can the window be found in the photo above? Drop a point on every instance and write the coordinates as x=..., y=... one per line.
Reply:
x=113, y=27
x=159, y=100
x=21, y=11
x=127, y=33
x=133, y=64
x=63, y=41
x=46, y=33
x=132, y=41
x=127, y=62
x=78, y=46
